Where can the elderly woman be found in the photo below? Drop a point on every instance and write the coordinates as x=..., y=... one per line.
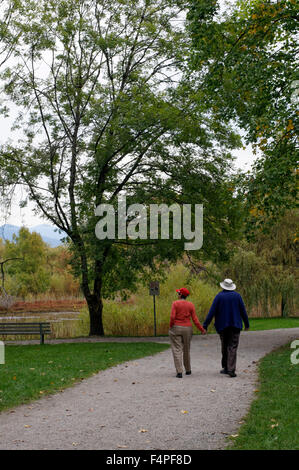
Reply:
x=180, y=331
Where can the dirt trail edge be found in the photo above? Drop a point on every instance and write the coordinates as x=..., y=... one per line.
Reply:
x=142, y=405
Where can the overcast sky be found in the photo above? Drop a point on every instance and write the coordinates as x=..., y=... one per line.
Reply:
x=25, y=216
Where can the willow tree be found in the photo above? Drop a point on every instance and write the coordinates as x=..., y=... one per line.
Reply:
x=106, y=108
x=266, y=270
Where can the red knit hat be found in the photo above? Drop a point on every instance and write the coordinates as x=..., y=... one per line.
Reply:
x=183, y=291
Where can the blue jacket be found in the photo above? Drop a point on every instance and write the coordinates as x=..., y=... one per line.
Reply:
x=229, y=310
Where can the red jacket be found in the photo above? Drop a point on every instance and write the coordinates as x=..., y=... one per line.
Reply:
x=181, y=313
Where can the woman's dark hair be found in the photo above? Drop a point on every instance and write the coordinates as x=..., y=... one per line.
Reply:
x=183, y=296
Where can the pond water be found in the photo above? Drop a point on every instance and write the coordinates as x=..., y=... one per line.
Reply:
x=63, y=324
x=47, y=316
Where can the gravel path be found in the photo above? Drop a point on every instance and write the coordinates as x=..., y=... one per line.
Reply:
x=142, y=405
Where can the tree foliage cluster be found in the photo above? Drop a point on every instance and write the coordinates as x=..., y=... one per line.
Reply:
x=32, y=268
x=249, y=55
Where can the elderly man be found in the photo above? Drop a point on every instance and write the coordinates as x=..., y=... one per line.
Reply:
x=229, y=311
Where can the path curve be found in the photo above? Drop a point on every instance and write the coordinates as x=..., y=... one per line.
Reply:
x=139, y=404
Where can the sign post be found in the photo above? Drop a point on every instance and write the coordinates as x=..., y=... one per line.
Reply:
x=2, y=353
x=154, y=290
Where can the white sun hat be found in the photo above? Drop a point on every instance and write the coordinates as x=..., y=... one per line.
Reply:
x=228, y=284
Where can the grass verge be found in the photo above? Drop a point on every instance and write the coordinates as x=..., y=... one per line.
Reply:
x=259, y=324
x=273, y=323
x=33, y=371
x=272, y=422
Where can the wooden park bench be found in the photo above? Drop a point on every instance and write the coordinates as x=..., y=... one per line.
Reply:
x=35, y=328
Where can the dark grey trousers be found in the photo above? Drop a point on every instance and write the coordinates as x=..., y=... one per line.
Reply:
x=229, y=345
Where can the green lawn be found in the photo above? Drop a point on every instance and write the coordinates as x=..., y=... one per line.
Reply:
x=273, y=323
x=272, y=422
x=33, y=371
x=257, y=324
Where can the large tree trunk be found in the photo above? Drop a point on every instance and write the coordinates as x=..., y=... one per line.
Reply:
x=93, y=298
x=95, y=307
x=95, y=302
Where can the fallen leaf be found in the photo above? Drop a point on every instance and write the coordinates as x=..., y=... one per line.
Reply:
x=121, y=446
x=143, y=430
x=184, y=412
x=234, y=435
x=213, y=390
x=27, y=425
x=274, y=425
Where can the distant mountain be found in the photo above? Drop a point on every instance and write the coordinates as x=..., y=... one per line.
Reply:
x=48, y=233
x=7, y=231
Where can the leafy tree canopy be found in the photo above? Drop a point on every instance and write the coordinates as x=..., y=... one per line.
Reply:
x=250, y=57
x=107, y=108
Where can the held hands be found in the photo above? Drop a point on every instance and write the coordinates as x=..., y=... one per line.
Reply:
x=203, y=332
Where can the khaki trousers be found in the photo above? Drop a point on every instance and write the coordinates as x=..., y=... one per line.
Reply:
x=180, y=339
